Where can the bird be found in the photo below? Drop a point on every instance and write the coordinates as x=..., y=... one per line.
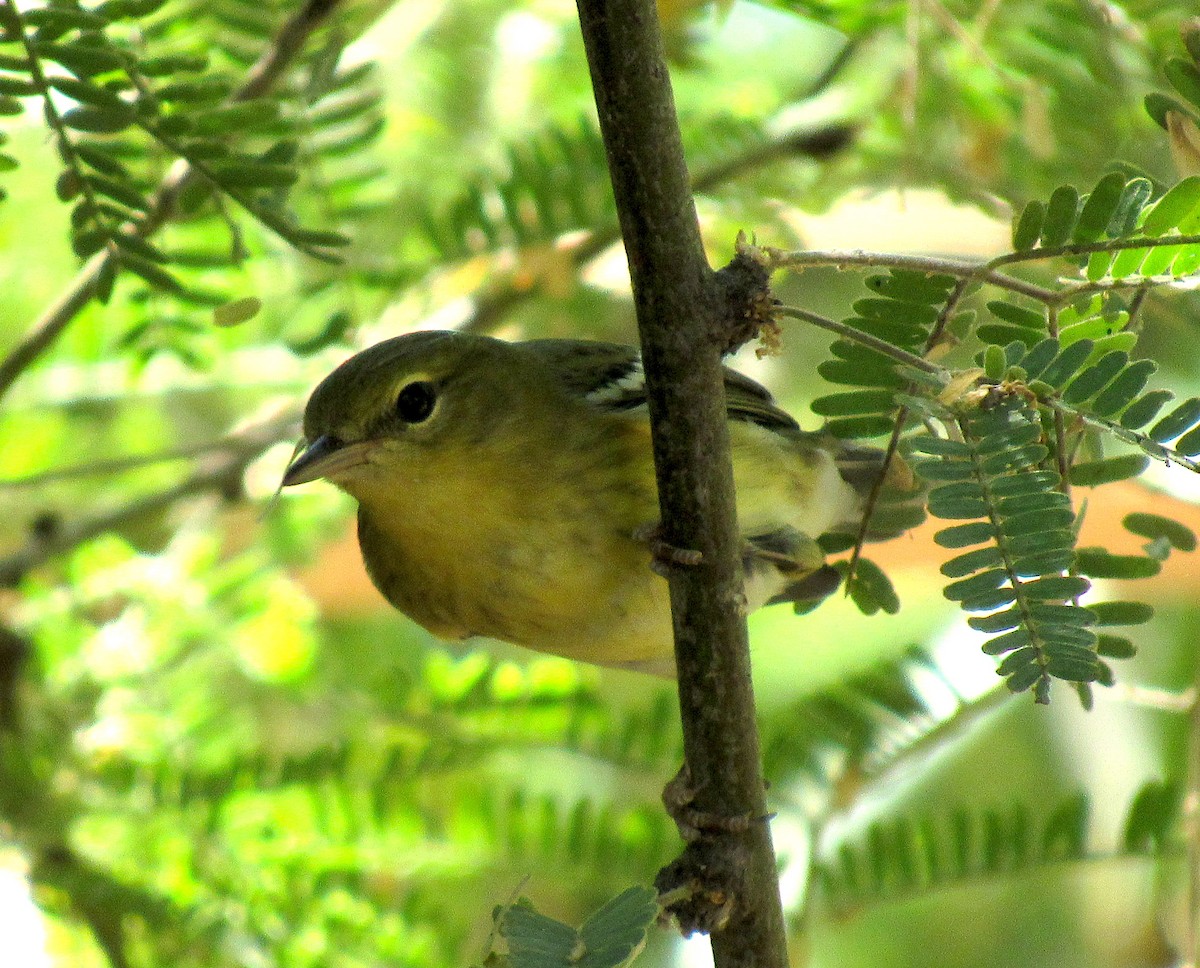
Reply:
x=507, y=490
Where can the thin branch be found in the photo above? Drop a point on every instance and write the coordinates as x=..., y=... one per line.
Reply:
x=684, y=320
x=865, y=339
x=262, y=77
x=959, y=268
x=221, y=474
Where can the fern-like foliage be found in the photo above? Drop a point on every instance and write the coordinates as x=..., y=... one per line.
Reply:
x=1054, y=383
x=906, y=856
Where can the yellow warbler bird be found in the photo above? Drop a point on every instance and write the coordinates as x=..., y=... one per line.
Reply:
x=507, y=490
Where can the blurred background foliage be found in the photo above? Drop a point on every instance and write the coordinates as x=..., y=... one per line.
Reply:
x=218, y=748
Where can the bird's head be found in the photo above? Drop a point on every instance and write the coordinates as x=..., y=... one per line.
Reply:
x=397, y=401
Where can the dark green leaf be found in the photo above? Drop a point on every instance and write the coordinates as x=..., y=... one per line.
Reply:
x=1098, y=563
x=968, y=587
x=1026, y=482
x=853, y=402
x=1143, y=410
x=1016, y=660
x=1039, y=357
x=1026, y=676
x=1092, y=380
x=912, y=286
x=944, y=469
x=1045, y=562
x=1028, y=228
x=1017, y=315
x=1153, y=526
x=1061, y=615
x=96, y=120
x=971, y=562
x=1061, y=213
x=964, y=535
x=1007, y=642
x=1055, y=587
x=1100, y=207
x=1039, y=542
x=1000, y=622
x=1177, y=421
x=255, y=175
x=1121, y=613
x=1115, y=647
x=938, y=446
x=1021, y=457
x=157, y=277
x=1038, y=521
x=1108, y=470
x=1067, y=363
x=1133, y=199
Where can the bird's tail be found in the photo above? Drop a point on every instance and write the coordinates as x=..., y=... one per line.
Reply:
x=899, y=497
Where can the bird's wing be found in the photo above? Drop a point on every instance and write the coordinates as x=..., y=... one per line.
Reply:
x=610, y=376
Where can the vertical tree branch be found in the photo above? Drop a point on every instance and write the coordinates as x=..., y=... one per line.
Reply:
x=683, y=311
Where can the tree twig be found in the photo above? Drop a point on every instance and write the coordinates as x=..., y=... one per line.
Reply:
x=682, y=309
x=288, y=43
x=222, y=472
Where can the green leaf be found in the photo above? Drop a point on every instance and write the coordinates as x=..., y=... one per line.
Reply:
x=871, y=374
x=1109, y=469
x=95, y=120
x=1000, y=622
x=1040, y=357
x=1133, y=199
x=172, y=64
x=17, y=87
x=1095, y=378
x=1098, y=563
x=244, y=175
x=1016, y=639
x=157, y=277
x=1143, y=410
x=854, y=427
x=1061, y=213
x=1017, y=315
x=1175, y=206
x=853, y=402
x=85, y=92
x=1184, y=78
x=972, y=561
x=62, y=17
x=1099, y=208
x=1157, y=105
x=1121, y=613
x=1154, y=526
x=1177, y=421
x=911, y=286
x=81, y=59
x=977, y=584
x=1115, y=647
x=1055, y=587
x=994, y=362
x=1067, y=363
x=1029, y=482
x=871, y=590
x=237, y=312
x=1028, y=228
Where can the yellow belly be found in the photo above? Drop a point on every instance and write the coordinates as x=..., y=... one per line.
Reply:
x=544, y=552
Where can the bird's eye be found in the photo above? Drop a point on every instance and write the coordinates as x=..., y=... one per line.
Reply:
x=415, y=402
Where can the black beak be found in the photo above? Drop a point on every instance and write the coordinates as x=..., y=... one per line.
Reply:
x=314, y=461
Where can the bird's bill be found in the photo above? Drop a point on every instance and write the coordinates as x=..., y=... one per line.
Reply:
x=326, y=457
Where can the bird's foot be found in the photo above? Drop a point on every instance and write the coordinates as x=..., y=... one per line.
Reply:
x=663, y=555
